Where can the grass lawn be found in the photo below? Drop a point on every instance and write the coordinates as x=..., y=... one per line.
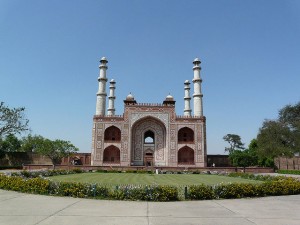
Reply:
x=149, y=179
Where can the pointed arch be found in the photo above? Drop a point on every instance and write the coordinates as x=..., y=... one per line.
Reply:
x=112, y=134
x=148, y=132
x=186, y=156
x=111, y=154
x=185, y=135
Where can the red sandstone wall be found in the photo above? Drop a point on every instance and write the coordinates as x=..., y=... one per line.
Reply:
x=285, y=163
x=20, y=158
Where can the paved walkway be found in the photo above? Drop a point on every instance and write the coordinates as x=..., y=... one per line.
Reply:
x=26, y=209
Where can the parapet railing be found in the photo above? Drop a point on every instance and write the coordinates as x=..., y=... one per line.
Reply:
x=149, y=104
x=188, y=117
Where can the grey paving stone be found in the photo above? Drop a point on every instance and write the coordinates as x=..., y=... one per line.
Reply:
x=20, y=220
x=90, y=207
x=199, y=221
x=27, y=209
x=94, y=220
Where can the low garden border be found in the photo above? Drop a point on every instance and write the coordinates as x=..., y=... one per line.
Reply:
x=36, y=183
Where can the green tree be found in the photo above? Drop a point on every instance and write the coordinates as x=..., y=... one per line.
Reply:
x=245, y=158
x=234, y=141
x=30, y=142
x=55, y=150
x=10, y=144
x=253, y=146
x=289, y=116
x=275, y=139
x=280, y=137
x=12, y=121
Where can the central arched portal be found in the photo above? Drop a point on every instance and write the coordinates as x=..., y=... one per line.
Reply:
x=148, y=143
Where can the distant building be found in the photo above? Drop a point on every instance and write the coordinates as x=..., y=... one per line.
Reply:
x=149, y=134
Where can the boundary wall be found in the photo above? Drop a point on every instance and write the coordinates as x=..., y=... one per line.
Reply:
x=163, y=169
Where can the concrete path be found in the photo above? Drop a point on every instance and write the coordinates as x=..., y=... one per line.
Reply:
x=26, y=209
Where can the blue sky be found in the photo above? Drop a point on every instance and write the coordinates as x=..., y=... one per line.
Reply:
x=50, y=51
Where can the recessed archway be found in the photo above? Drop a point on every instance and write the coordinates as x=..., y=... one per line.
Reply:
x=186, y=156
x=112, y=134
x=185, y=135
x=111, y=154
x=148, y=133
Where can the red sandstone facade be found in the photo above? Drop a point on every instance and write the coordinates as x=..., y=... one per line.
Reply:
x=149, y=135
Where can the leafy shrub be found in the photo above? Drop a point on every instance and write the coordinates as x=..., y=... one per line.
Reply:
x=11, y=167
x=236, y=190
x=77, y=170
x=44, y=173
x=256, y=176
x=164, y=193
x=78, y=190
x=68, y=189
x=201, y=192
x=145, y=193
x=129, y=192
x=196, y=172
x=289, y=186
x=34, y=185
x=37, y=185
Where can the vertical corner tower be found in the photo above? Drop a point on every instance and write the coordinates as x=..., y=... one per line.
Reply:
x=101, y=94
x=198, y=106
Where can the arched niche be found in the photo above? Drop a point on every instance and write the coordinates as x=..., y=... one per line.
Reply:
x=111, y=154
x=112, y=134
x=185, y=135
x=186, y=156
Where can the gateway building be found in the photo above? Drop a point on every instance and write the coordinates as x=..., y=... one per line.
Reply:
x=149, y=134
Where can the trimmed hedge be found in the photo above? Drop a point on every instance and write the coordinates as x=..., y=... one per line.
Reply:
x=252, y=176
x=44, y=173
x=38, y=185
x=11, y=167
x=78, y=190
x=34, y=185
x=159, y=193
x=237, y=190
x=297, y=172
x=81, y=190
x=201, y=192
x=276, y=187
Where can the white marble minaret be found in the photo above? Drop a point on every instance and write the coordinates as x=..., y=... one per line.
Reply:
x=101, y=94
x=187, y=99
x=111, y=98
x=198, y=106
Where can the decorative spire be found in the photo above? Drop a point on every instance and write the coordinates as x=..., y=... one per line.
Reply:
x=198, y=106
x=111, y=98
x=187, y=99
x=101, y=94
